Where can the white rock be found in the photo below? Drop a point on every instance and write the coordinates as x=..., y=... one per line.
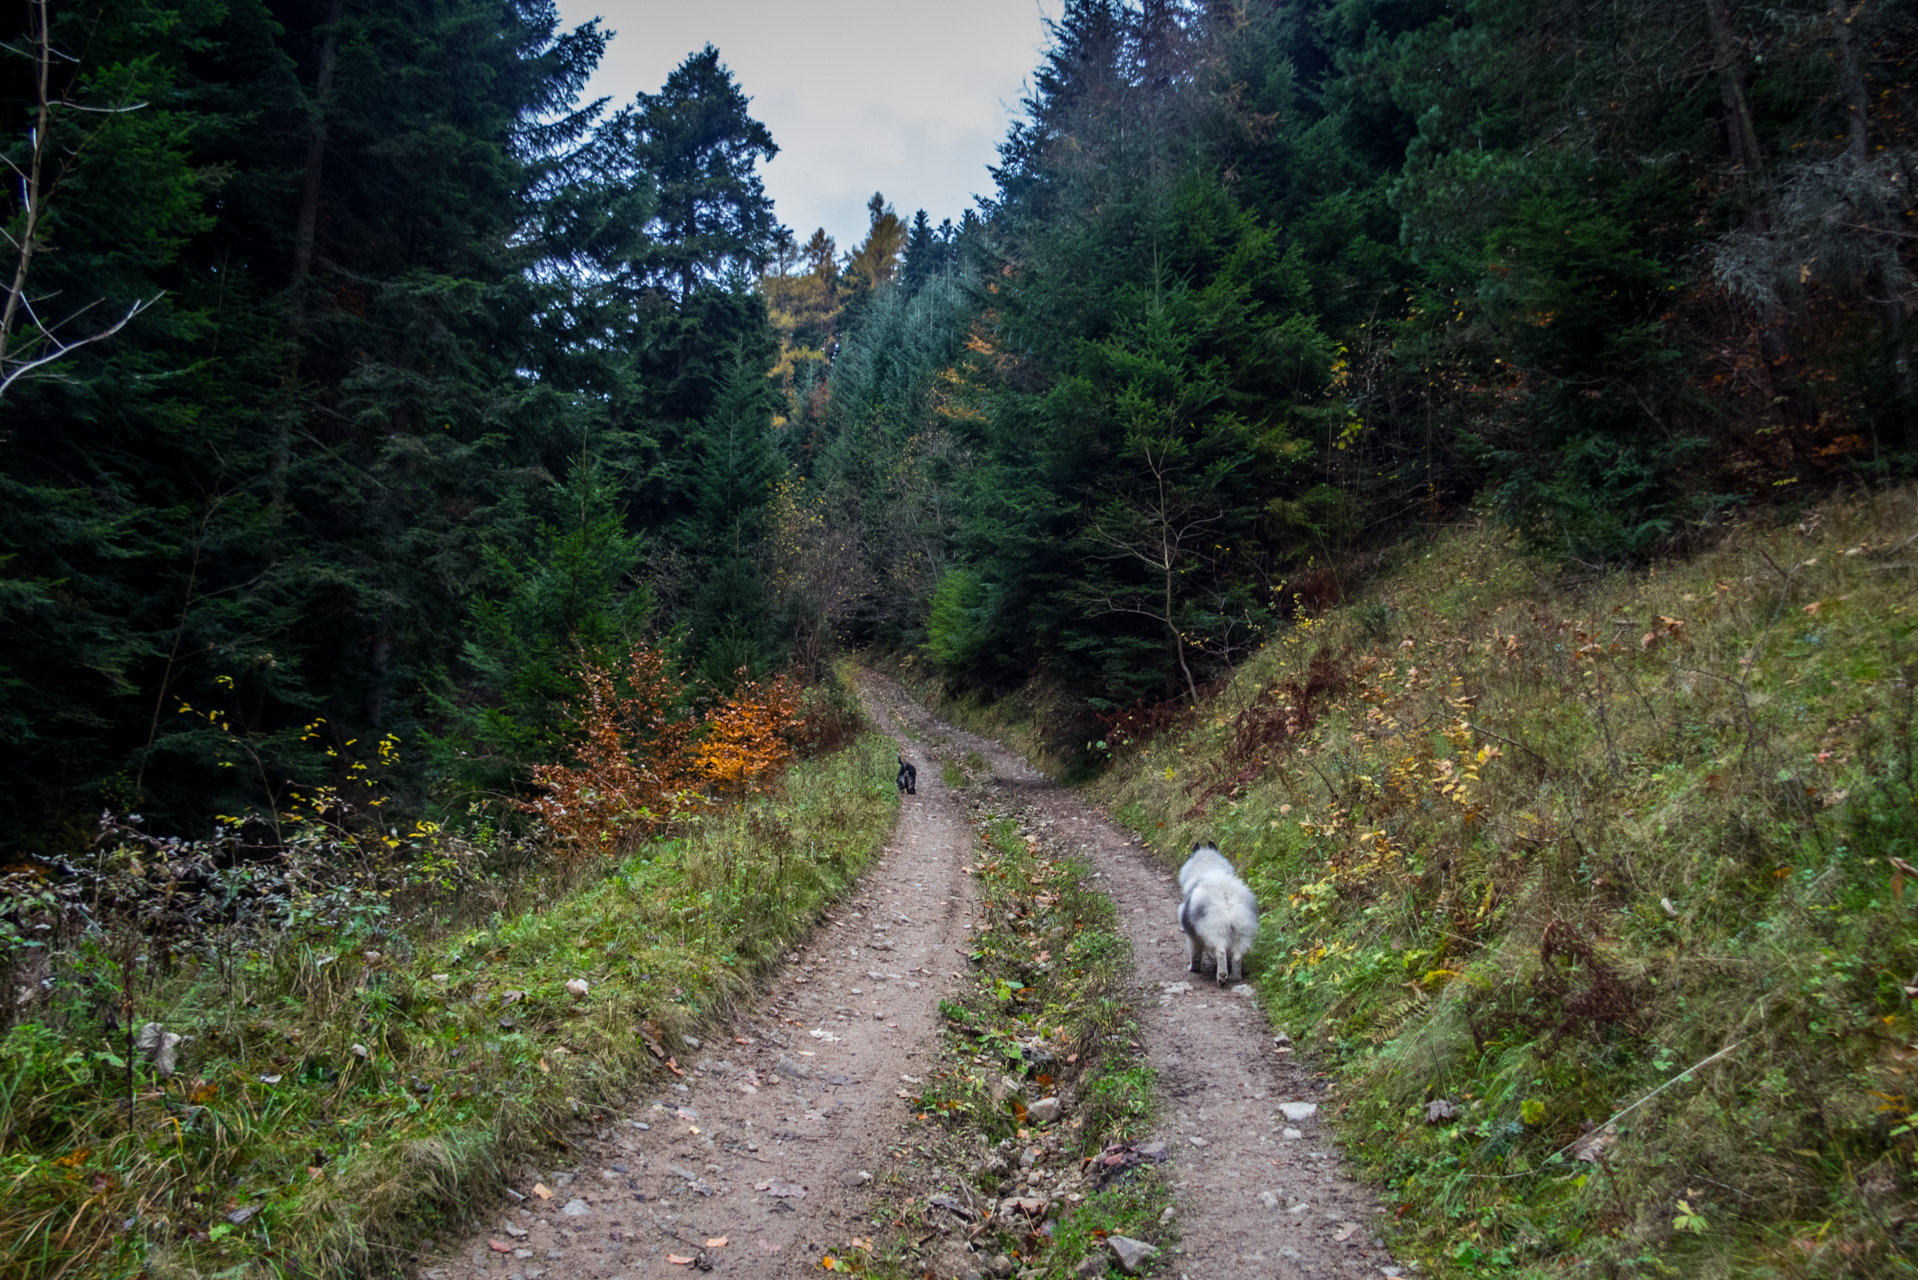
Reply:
x=576, y=1208
x=1044, y=1111
x=1132, y=1254
x=1243, y=989
x=577, y=986
x=1297, y=1111
x=1290, y=1135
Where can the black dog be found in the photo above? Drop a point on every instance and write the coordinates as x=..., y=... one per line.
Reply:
x=908, y=779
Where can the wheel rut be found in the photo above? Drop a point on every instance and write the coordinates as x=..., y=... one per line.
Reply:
x=1257, y=1193
x=782, y=1119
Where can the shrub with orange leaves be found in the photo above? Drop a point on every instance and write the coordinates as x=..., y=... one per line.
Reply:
x=640, y=762
x=632, y=772
x=748, y=735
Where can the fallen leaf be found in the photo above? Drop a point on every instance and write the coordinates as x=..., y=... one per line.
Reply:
x=499, y=1246
x=1346, y=1232
x=544, y=1068
x=578, y=986
x=539, y=1189
x=269, y=1079
x=673, y=1066
x=716, y=1242
x=677, y=1260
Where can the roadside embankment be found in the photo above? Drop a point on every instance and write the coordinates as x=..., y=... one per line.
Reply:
x=1592, y=889
x=336, y=1105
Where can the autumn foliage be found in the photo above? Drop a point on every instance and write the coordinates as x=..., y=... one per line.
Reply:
x=640, y=760
x=748, y=735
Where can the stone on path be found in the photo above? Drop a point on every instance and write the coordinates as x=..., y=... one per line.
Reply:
x=1132, y=1254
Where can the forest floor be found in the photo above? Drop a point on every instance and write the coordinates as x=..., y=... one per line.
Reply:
x=763, y=1158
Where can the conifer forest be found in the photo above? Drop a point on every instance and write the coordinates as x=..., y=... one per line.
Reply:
x=469, y=573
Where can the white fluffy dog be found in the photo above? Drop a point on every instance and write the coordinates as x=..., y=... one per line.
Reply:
x=1218, y=913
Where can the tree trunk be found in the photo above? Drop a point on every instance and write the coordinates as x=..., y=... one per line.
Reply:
x=1851, y=83
x=305, y=230
x=1172, y=629
x=1740, y=132
x=30, y=181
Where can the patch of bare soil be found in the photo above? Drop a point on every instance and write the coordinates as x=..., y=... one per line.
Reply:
x=1260, y=1186
x=757, y=1162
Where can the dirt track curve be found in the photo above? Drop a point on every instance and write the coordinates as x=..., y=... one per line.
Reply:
x=769, y=1141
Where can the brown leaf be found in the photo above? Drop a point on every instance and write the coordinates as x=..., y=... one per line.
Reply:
x=499, y=1246
x=539, y=1189
x=716, y=1242
x=677, y=1260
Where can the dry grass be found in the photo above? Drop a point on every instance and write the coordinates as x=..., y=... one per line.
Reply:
x=1535, y=844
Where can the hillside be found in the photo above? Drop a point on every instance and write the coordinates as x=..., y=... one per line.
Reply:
x=1592, y=890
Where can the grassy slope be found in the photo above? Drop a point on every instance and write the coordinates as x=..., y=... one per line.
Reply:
x=1537, y=848
x=350, y=1159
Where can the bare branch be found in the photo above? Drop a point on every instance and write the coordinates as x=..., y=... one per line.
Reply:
x=61, y=349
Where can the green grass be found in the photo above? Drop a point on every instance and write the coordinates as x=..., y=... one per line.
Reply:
x=1528, y=846
x=357, y=1101
x=1045, y=1009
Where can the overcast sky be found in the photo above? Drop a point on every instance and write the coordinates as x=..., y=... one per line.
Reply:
x=907, y=97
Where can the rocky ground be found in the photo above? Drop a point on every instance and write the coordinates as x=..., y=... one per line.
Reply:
x=762, y=1157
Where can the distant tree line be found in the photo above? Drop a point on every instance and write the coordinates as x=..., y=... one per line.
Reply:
x=1265, y=283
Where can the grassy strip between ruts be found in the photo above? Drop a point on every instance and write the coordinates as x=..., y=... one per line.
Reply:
x=334, y=1109
x=1043, y=1018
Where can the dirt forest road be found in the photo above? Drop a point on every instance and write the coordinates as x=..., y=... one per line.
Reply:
x=1259, y=1193
x=756, y=1163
